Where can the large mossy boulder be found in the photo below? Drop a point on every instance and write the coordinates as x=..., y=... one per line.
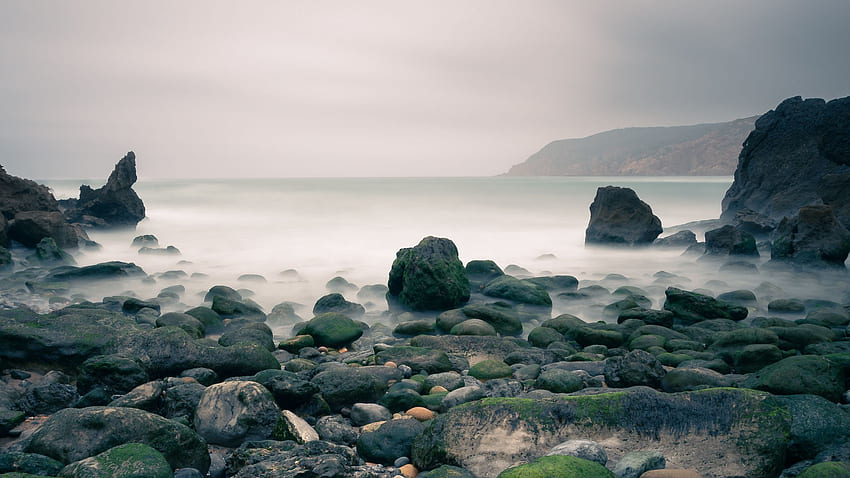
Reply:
x=332, y=329
x=133, y=460
x=429, y=276
x=691, y=307
x=722, y=432
x=74, y=434
x=619, y=217
x=558, y=466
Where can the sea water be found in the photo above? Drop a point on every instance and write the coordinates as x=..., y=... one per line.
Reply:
x=352, y=228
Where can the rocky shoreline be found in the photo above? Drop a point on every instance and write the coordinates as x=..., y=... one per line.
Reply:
x=466, y=373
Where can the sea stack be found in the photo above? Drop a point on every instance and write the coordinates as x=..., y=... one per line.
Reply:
x=619, y=217
x=113, y=205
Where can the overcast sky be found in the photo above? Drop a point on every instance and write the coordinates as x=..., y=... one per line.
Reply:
x=386, y=88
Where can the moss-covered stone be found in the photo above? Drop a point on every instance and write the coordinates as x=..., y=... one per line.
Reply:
x=133, y=460
x=827, y=469
x=490, y=369
x=559, y=381
x=476, y=327
x=332, y=330
x=558, y=466
x=429, y=276
x=800, y=374
x=295, y=344
x=691, y=307
x=543, y=336
x=521, y=291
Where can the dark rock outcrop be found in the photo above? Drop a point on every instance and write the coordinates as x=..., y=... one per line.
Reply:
x=30, y=227
x=813, y=237
x=429, y=276
x=114, y=204
x=798, y=154
x=619, y=217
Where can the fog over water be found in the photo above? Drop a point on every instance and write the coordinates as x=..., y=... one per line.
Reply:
x=352, y=228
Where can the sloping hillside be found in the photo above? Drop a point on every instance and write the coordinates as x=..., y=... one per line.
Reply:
x=698, y=150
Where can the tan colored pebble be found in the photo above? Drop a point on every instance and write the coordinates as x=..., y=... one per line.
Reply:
x=343, y=350
x=421, y=413
x=409, y=471
x=323, y=349
x=437, y=389
x=671, y=473
x=391, y=365
x=370, y=427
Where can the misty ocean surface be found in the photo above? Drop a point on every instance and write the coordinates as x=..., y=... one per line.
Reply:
x=323, y=228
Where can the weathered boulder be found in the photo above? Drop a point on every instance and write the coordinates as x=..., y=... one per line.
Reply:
x=47, y=252
x=429, y=276
x=115, y=374
x=728, y=240
x=342, y=387
x=797, y=155
x=28, y=464
x=73, y=434
x=114, y=204
x=683, y=239
x=390, y=441
x=637, y=367
x=619, y=217
x=230, y=413
x=722, y=432
x=286, y=459
x=813, y=237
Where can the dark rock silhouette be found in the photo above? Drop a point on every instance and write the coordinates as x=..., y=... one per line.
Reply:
x=429, y=276
x=619, y=217
x=798, y=154
x=115, y=204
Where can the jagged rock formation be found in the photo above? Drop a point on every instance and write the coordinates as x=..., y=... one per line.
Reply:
x=698, y=150
x=30, y=213
x=619, y=217
x=798, y=154
x=812, y=237
x=115, y=204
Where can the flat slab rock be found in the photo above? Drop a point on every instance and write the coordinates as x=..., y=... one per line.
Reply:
x=720, y=432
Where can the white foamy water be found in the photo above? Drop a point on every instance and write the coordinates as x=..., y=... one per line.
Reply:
x=353, y=227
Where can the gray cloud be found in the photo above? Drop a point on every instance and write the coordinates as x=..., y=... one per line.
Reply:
x=385, y=88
